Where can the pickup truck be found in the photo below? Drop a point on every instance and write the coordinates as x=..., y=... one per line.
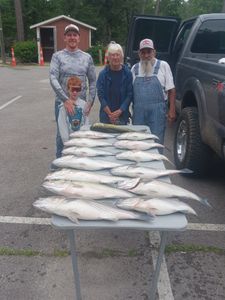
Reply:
x=195, y=50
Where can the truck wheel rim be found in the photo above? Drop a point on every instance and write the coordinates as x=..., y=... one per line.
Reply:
x=182, y=140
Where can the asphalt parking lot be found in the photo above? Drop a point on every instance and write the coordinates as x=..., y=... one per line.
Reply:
x=34, y=258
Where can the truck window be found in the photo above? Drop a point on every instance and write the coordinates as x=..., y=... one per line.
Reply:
x=182, y=37
x=210, y=38
x=160, y=32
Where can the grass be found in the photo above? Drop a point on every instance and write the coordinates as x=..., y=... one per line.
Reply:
x=6, y=251
x=173, y=248
x=194, y=248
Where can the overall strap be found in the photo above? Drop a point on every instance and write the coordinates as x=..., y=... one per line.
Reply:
x=156, y=70
x=136, y=69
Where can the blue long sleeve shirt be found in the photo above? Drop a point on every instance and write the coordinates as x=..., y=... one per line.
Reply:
x=125, y=90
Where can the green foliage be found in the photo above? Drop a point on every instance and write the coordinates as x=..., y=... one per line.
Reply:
x=94, y=52
x=110, y=17
x=26, y=52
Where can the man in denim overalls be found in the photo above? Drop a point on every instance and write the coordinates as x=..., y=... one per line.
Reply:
x=152, y=86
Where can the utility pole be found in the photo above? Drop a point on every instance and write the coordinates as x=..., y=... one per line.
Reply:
x=2, y=44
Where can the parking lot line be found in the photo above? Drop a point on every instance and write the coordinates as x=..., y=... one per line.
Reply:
x=25, y=220
x=9, y=102
x=164, y=286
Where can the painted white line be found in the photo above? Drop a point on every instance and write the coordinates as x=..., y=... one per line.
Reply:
x=9, y=102
x=206, y=227
x=25, y=220
x=164, y=286
x=46, y=221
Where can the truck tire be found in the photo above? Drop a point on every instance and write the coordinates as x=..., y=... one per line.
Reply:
x=189, y=150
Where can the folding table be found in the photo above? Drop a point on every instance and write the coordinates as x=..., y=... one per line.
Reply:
x=163, y=224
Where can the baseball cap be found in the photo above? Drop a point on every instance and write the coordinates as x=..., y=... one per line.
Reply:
x=146, y=43
x=71, y=27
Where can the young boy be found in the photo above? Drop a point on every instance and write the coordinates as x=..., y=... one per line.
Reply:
x=69, y=123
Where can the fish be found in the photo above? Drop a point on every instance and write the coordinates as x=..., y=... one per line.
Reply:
x=141, y=156
x=160, y=189
x=87, y=190
x=145, y=173
x=77, y=175
x=136, y=145
x=156, y=206
x=112, y=128
x=86, y=142
x=78, y=209
x=83, y=163
x=85, y=151
x=137, y=136
x=90, y=134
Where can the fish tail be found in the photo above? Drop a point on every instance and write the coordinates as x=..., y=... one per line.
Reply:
x=205, y=202
x=186, y=170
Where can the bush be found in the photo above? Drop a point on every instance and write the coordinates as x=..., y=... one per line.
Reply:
x=94, y=52
x=26, y=52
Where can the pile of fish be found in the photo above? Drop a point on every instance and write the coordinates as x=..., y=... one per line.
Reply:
x=107, y=176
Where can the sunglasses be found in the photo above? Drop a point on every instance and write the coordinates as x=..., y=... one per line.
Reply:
x=75, y=89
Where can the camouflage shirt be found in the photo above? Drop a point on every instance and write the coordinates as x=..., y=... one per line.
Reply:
x=65, y=64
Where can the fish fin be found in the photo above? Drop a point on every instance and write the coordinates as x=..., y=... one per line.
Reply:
x=151, y=212
x=73, y=217
x=145, y=217
x=128, y=184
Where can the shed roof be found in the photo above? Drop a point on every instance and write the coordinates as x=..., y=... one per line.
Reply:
x=62, y=17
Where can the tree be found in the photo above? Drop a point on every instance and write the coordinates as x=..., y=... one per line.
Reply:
x=223, y=9
x=2, y=43
x=19, y=20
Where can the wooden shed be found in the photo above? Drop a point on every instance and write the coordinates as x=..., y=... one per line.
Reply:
x=50, y=35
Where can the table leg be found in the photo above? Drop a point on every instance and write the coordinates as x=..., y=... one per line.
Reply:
x=158, y=265
x=71, y=236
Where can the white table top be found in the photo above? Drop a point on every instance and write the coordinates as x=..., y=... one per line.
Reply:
x=172, y=222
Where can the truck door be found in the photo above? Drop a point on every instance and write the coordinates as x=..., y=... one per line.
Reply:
x=162, y=30
x=208, y=47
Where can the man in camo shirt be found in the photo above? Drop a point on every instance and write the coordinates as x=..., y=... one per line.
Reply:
x=68, y=62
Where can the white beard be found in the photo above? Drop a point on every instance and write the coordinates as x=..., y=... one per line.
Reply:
x=146, y=67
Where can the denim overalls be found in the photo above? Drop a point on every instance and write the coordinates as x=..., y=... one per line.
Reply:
x=149, y=103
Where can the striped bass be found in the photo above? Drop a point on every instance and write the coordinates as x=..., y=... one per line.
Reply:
x=156, y=206
x=144, y=173
x=75, y=209
x=160, y=189
x=140, y=156
x=137, y=136
x=85, y=151
x=87, y=190
x=91, y=134
x=75, y=175
x=83, y=163
x=136, y=145
x=85, y=142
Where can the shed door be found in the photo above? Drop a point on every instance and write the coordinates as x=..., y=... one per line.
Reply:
x=47, y=42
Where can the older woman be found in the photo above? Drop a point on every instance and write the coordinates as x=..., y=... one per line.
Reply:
x=114, y=87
